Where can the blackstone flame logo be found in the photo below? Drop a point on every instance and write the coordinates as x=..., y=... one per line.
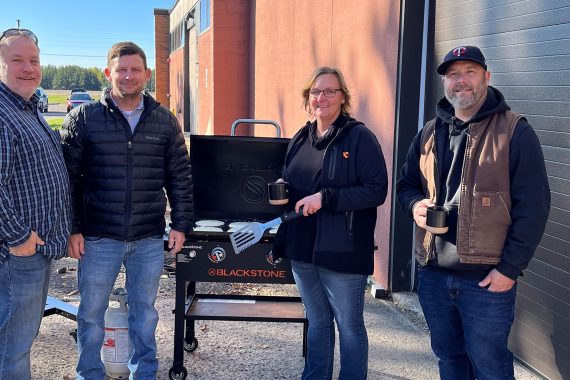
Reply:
x=254, y=189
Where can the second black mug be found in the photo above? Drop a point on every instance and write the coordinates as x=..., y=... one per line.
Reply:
x=278, y=194
x=436, y=219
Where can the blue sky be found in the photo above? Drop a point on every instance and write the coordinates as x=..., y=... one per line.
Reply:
x=81, y=32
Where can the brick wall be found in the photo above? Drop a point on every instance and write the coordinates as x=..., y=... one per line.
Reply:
x=176, y=93
x=231, y=63
x=206, y=98
x=290, y=41
x=162, y=47
x=256, y=56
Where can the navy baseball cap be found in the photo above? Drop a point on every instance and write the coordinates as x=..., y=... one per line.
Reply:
x=462, y=53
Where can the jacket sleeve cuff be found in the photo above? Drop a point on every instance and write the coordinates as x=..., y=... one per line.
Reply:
x=182, y=227
x=508, y=270
x=328, y=201
x=76, y=227
x=21, y=239
x=411, y=208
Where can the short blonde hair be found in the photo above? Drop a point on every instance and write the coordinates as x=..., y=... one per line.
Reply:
x=345, y=107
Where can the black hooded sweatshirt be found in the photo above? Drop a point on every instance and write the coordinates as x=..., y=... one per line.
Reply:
x=347, y=166
x=529, y=188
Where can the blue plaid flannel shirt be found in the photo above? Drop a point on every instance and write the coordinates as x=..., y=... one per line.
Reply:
x=34, y=187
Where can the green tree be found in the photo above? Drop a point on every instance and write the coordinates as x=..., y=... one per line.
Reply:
x=152, y=82
x=48, y=73
x=71, y=76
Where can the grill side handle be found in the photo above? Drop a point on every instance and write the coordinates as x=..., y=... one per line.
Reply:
x=255, y=121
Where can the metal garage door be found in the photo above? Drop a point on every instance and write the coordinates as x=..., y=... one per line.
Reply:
x=527, y=45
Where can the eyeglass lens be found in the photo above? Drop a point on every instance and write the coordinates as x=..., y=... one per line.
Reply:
x=328, y=92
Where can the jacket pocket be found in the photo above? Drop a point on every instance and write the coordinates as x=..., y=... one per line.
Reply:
x=490, y=223
x=332, y=233
x=332, y=163
x=349, y=216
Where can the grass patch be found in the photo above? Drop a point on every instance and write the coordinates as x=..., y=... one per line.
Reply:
x=60, y=96
x=57, y=99
x=55, y=123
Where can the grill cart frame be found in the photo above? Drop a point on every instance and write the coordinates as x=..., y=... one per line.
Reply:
x=209, y=256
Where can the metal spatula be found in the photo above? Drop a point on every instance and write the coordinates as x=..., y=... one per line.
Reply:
x=251, y=233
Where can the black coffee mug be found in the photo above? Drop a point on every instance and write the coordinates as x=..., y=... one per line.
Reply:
x=436, y=219
x=278, y=193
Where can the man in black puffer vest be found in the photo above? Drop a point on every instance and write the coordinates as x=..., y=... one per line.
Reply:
x=123, y=154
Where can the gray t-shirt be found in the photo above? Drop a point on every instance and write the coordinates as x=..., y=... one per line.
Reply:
x=134, y=116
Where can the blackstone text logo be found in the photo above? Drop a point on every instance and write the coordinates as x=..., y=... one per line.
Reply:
x=212, y=272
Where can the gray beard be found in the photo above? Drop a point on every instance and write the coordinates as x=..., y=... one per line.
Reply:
x=460, y=104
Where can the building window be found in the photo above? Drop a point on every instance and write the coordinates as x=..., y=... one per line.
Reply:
x=177, y=37
x=204, y=15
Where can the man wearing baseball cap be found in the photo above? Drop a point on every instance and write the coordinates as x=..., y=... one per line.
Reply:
x=483, y=164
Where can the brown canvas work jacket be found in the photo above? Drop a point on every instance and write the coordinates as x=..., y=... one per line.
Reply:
x=485, y=201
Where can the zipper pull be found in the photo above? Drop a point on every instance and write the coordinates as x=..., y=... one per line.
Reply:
x=452, y=130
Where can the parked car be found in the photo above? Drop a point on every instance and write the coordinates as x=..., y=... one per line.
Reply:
x=77, y=90
x=44, y=101
x=76, y=99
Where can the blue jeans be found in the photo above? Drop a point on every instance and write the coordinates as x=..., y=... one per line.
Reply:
x=469, y=326
x=23, y=291
x=98, y=269
x=327, y=295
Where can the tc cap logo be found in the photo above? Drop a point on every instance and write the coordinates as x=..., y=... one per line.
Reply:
x=459, y=50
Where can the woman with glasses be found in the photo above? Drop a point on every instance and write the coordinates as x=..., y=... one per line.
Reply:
x=336, y=174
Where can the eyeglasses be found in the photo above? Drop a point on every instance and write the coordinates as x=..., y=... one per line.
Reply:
x=19, y=32
x=328, y=92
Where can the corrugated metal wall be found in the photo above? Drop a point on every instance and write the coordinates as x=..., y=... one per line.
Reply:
x=527, y=46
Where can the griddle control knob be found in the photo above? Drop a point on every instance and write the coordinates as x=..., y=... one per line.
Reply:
x=218, y=251
x=217, y=255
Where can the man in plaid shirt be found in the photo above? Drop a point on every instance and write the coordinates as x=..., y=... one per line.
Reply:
x=34, y=202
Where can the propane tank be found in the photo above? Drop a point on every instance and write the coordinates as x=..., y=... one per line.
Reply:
x=117, y=348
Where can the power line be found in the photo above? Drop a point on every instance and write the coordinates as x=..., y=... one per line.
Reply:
x=75, y=55
x=83, y=56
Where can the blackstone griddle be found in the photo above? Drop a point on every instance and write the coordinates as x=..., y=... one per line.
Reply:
x=230, y=176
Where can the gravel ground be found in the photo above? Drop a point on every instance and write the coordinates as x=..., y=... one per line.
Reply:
x=399, y=340
x=225, y=349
